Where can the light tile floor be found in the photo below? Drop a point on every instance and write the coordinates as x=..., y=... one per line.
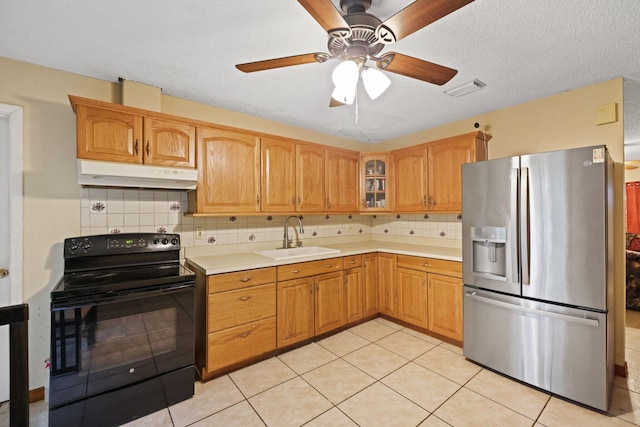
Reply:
x=381, y=374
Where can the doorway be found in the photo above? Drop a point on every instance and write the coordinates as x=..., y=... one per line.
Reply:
x=11, y=131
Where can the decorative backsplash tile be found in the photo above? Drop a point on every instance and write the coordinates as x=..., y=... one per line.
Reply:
x=129, y=210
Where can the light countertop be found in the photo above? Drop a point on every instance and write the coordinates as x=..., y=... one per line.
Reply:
x=225, y=263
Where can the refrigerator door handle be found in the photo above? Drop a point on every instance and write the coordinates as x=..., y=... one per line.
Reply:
x=524, y=224
x=574, y=319
x=515, y=263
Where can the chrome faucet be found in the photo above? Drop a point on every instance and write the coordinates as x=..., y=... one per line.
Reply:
x=286, y=243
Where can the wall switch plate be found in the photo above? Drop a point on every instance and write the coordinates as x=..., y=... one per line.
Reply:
x=199, y=233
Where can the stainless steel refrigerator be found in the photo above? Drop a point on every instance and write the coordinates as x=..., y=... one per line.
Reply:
x=538, y=272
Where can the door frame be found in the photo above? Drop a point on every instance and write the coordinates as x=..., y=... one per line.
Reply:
x=14, y=114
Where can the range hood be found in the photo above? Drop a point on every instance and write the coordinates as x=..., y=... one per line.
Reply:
x=95, y=173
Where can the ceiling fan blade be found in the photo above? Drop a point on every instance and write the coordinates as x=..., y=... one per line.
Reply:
x=335, y=103
x=417, y=15
x=327, y=16
x=288, y=61
x=416, y=68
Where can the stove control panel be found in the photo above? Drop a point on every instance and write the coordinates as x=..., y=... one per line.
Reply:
x=127, y=243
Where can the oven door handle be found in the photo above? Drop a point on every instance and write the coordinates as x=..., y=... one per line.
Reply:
x=123, y=295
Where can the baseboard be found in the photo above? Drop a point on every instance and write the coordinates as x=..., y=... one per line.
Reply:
x=622, y=370
x=36, y=394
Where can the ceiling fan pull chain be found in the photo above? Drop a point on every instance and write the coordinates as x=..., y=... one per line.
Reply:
x=356, y=104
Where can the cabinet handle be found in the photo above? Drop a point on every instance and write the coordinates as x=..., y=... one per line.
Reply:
x=135, y=148
x=352, y=262
x=328, y=266
x=426, y=264
x=310, y=288
x=295, y=271
x=293, y=201
x=328, y=203
x=244, y=298
x=258, y=199
x=147, y=149
x=298, y=200
x=245, y=280
x=245, y=334
x=364, y=203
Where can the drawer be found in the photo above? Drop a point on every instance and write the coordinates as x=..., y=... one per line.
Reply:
x=241, y=279
x=234, y=345
x=234, y=308
x=352, y=261
x=431, y=265
x=310, y=268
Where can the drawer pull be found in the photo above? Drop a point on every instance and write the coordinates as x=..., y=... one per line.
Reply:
x=426, y=264
x=245, y=334
x=328, y=266
x=295, y=271
x=244, y=298
x=245, y=280
x=352, y=262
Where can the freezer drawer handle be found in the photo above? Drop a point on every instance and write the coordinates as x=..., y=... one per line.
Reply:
x=566, y=317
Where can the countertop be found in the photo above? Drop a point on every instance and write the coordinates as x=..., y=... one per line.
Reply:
x=215, y=264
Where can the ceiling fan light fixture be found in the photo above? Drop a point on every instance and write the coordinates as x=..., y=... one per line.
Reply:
x=375, y=82
x=345, y=74
x=465, y=89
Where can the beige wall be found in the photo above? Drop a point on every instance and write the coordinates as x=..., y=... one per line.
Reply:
x=52, y=195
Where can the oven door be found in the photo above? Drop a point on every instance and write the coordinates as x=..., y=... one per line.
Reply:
x=120, y=340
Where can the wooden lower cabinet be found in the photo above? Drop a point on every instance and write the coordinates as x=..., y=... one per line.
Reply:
x=387, y=288
x=445, y=306
x=369, y=285
x=236, y=318
x=412, y=297
x=329, y=299
x=295, y=311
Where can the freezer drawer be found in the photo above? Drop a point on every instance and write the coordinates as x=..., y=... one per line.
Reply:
x=556, y=348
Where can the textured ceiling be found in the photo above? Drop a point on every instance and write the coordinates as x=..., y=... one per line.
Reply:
x=522, y=50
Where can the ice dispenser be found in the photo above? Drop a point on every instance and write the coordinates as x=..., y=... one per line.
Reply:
x=489, y=252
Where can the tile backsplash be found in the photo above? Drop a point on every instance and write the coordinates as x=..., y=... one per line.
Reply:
x=131, y=210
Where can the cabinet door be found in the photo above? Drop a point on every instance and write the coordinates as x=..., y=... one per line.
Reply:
x=330, y=309
x=294, y=311
x=375, y=181
x=342, y=173
x=108, y=135
x=353, y=285
x=169, y=143
x=445, y=306
x=228, y=171
x=410, y=180
x=370, y=285
x=387, y=284
x=445, y=177
x=278, y=175
x=310, y=178
x=412, y=297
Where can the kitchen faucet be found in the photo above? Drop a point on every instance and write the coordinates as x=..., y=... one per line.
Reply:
x=286, y=243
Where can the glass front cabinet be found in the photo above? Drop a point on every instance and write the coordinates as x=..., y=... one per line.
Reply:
x=375, y=181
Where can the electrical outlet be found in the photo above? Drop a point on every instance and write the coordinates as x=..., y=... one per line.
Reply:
x=199, y=233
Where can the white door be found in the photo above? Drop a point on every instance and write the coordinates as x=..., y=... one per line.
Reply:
x=10, y=226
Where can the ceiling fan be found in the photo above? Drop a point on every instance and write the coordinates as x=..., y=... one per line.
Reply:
x=358, y=37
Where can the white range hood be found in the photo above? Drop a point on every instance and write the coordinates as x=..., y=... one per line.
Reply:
x=112, y=174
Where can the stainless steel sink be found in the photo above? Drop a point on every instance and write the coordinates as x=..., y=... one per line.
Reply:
x=280, y=254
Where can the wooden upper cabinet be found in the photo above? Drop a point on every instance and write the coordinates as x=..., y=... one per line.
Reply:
x=410, y=183
x=429, y=178
x=278, y=175
x=342, y=173
x=169, y=143
x=375, y=182
x=228, y=172
x=117, y=133
x=108, y=135
x=445, y=160
x=310, y=164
